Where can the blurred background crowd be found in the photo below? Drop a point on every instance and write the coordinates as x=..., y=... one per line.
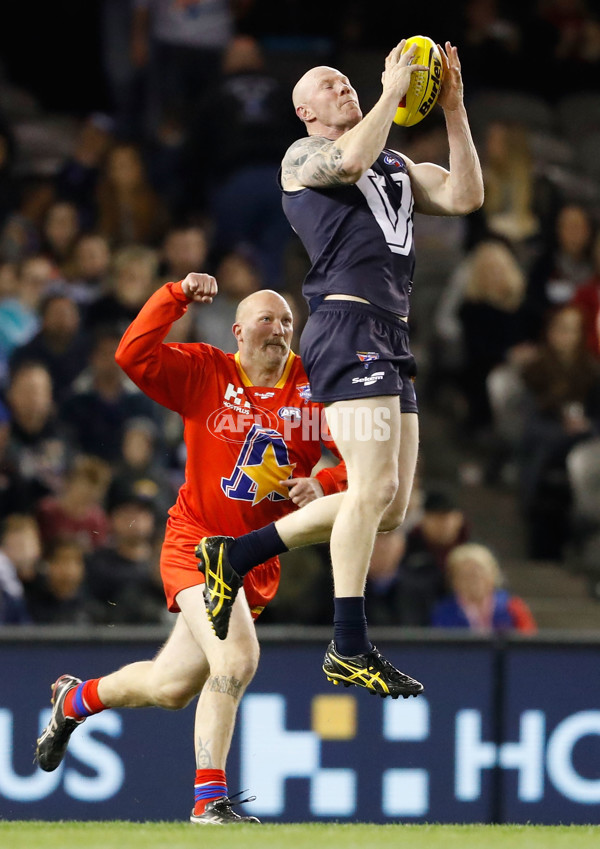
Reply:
x=140, y=140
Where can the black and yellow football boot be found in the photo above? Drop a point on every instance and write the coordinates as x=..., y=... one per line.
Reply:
x=371, y=671
x=221, y=581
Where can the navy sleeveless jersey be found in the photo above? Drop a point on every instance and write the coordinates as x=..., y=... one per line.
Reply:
x=359, y=237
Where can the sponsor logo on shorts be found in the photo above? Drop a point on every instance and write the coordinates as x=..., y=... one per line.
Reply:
x=369, y=379
x=367, y=357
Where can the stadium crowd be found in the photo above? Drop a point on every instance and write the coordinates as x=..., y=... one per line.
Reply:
x=103, y=202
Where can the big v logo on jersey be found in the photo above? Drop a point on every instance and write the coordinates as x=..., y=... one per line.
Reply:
x=393, y=217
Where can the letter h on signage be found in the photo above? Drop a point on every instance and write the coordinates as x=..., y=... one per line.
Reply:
x=270, y=754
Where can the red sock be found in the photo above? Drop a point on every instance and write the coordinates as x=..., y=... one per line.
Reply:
x=83, y=700
x=210, y=784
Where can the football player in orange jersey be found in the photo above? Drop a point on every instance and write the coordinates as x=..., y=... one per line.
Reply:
x=251, y=445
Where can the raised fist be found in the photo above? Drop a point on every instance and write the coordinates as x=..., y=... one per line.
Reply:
x=199, y=287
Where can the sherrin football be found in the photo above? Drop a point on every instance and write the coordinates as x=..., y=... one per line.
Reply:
x=425, y=86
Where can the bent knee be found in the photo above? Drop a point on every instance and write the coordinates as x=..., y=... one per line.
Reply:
x=390, y=523
x=241, y=666
x=377, y=495
x=173, y=696
x=392, y=519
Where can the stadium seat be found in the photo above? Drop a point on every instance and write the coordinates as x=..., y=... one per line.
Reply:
x=578, y=114
x=588, y=154
x=527, y=109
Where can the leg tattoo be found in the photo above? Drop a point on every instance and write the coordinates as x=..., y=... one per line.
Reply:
x=226, y=684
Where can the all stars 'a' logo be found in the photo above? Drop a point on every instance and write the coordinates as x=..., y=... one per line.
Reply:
x=262, y=463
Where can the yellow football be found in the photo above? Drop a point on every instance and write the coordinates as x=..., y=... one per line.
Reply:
x=425, y=86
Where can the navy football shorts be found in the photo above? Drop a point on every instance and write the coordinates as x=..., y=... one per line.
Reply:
x=354, y=350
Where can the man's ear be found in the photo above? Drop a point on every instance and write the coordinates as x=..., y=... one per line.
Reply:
x=237, y=331
x=304, y=113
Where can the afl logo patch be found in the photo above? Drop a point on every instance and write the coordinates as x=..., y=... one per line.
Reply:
x=289, y=413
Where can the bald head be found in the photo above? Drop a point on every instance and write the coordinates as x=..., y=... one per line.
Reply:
x=264, y=299
x=326, y=102
x=301, y=94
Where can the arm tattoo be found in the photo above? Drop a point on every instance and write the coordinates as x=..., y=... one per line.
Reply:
x=313, y=161
x=203, y=755
x=226, y=684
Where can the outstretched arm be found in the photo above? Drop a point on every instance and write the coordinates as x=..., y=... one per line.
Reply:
x=459, y=190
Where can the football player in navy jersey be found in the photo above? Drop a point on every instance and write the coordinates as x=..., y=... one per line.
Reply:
x=351, y=201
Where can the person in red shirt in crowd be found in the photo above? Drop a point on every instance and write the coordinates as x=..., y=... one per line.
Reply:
x=587, y=300
x=77, y=513
x=253, y=437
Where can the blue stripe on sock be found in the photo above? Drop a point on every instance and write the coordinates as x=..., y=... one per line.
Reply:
x=78, y=703
x=209, y=791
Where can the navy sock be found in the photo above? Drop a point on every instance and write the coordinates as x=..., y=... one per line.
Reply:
x=350, y=626
x=249, y=550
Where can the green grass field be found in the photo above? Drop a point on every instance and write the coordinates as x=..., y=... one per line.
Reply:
x=128, y=835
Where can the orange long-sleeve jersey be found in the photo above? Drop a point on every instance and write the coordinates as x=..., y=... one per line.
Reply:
x=242, y=440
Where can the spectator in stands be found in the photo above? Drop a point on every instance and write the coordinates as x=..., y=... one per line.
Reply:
x=60, y=229
x=238, y=277
x=59, y=345
x=57, y=595
x=510, y=185
x=77, y=178
x=587, y=300
x=490, y=46
x=252, y=124
x=562, y=383
x=132, y=281
x=20, y=542
x=21, y=234
x=19, y=312
x=574, y=41
x=184, y=248
x=143, y=468
x=38, y=445
x=479, y=319
x=87, y=270
x=407, y=574
x=492, y=322
x=476, y=599
x=8, y=279
x=13, y=487
x=77, y=512
x=17, y=542
x=563, y=266
x=103, y=400
x=121, y=576
x=129, y=209
x=180, y=47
